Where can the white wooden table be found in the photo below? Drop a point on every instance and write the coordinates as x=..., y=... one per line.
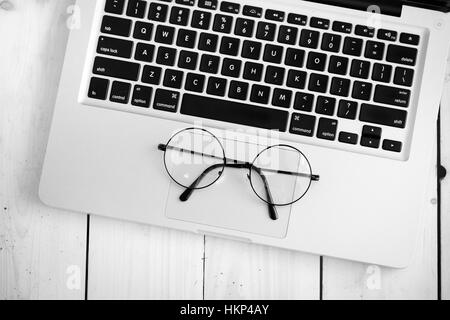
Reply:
x=48, y=253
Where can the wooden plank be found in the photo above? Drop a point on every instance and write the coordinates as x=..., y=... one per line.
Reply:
x=42, y=250
x=131, y=261
x=445, y=192
x=351, y=280
x=238, y=270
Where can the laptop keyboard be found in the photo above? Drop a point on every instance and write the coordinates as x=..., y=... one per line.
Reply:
x=313, y=78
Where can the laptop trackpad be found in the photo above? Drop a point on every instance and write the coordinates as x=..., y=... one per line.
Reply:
x=229, y=203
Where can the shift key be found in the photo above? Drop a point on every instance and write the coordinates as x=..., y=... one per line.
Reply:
x=116, y=68
x=383, y=116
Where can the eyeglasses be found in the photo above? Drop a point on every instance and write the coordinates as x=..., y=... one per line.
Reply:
x=280, y=175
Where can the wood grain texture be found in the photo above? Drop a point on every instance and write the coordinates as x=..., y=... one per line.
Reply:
x=237, y=270
x=131, y=261
x=351, y=280
x=445, y=192
x=42, y=250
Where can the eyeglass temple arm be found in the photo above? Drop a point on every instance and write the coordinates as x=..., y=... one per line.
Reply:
x=272, y=210
x=314, y=177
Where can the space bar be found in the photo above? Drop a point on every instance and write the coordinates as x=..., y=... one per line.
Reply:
x=234, y=112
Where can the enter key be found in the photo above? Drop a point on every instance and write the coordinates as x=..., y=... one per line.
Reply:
x=392, y=96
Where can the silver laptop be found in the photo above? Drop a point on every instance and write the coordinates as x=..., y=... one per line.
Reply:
x=304, y=125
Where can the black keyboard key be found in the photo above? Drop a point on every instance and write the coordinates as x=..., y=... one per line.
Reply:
x=404, y=76
x=251, y=11
x=115, y=47
x=370, y=142
x=188, y=60
x=195, y=82
x=166, y=100
x=173, y=79
x=304, y=101
x=209, y=63
x=274, y=75
x=340, y=87
x=273, y=54
x=392, y=96
x=331, y=42
x=114, y=6
x=338, y=65
x=244, y=27
x=142, y=96
x=116, y=68
x=374, y=50
x=402, y=55
x=353, y=46
x=316, y=61
x=325, y=105
x=370, y=131
x=260, y=94
x=318, y=83
x=360, y=69
x=253, y=71
x=165, y=34
x=364, y=31
x=166, y=56
x=238, y=90
x=409, y=38
x=266, y=31
x=216, y=86
x=309, y=39
x=296, y=79
x=186, y=38
x=275, y=15
x=136, y=8
x=143, y=31
x=362, y=90
x=179, y=16
x=348, y=137
x=251, y=50
x=144, y=52
x=185, y=2
x=98, y=88
x=392, y=145
x=151, y=75
x=230, y=7
x=302, y=124
x=319, y=23
x=230, y=46
x=297, y=19
x=201, y=20
x=282, y=98
x=207, y=4
x=231, y=67
x=388, y=35
x=382, y=72
x=383, y=116
x=158, y=12
x=234, y=112
x=343, y=27
x=347, y=109
x=327, y=129
x=120, y=92
x=208, y=42
x=116, y=26
x=294, y=57
x=287, y=35
x=223, y=23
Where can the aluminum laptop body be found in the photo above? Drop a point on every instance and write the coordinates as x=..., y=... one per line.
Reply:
x=102, y=156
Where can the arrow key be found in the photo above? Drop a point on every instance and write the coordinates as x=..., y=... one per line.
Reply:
x=392, y=145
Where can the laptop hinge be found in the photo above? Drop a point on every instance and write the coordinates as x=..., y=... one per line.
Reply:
x=388, y=7
x=436, y=5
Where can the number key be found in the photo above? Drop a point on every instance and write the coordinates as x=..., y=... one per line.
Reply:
x=158, y=12
x=179, y=16
x=266, y=31
x=309, y=39
x=201, y=20
x=223, y=23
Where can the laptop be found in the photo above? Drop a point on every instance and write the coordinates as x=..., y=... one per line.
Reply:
x=303, y=125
